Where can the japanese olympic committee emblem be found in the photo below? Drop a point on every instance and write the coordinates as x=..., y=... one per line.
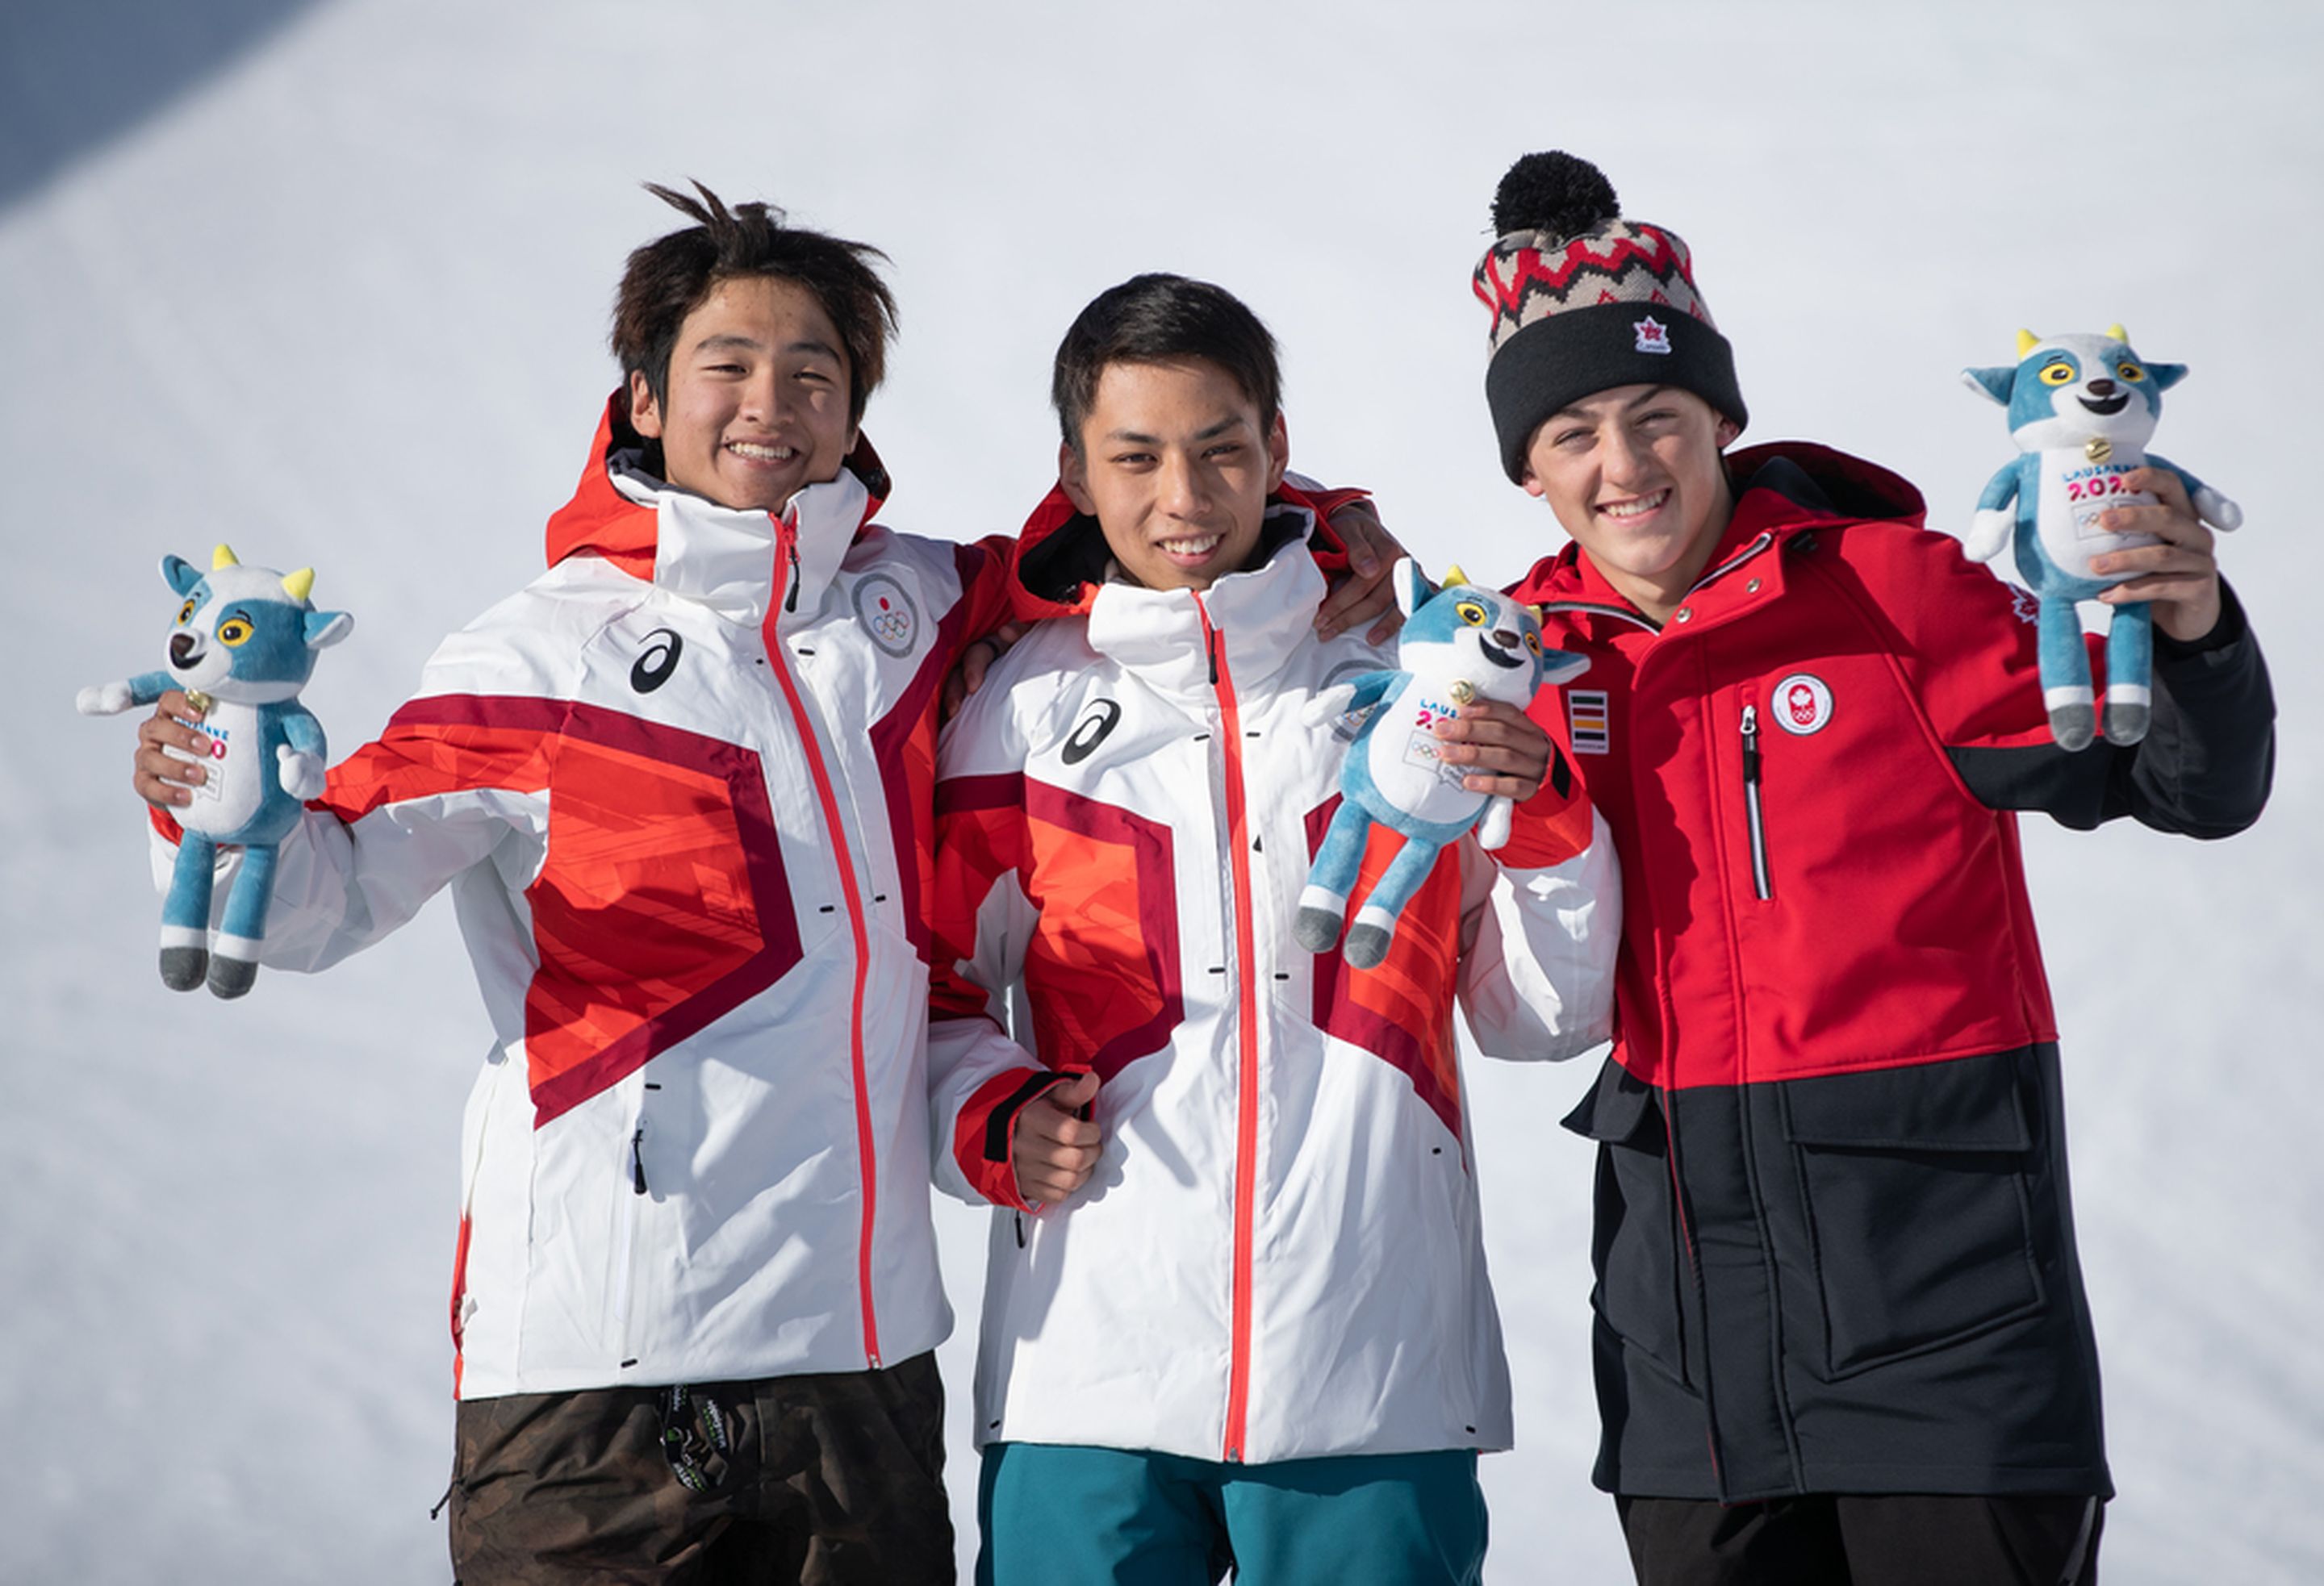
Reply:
x=887, y=613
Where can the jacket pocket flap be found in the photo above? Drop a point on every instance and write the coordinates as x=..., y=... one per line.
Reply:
x=1966, y=1105
x=1615, y=1109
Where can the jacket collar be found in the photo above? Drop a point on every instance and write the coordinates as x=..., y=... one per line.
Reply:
x=1256, y=619
x=1059, y=561
x=737, y=563
x=1785, y=490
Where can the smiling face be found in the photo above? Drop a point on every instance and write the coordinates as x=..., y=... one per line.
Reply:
x=758, y=397
x=1634, y=475
x=1176, y=466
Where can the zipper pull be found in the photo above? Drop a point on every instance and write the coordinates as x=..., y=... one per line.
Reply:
x=1210, y=639
x=637, y=1161
x=790, y=601
x=1751, y=743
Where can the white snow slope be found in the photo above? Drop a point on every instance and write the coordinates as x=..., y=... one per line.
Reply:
x=331, y=282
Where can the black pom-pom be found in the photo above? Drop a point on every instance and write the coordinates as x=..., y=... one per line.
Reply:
x=1555, y=192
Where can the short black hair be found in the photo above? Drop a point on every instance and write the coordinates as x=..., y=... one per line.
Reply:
x=671, y=276
x=1161, y=318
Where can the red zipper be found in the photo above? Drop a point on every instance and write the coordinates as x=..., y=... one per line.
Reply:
x=787, y=588
x=1247, y=1039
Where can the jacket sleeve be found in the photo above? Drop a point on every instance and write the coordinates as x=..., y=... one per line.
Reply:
x=455, y=780
x=2207, y=761
x=984, y=569
x=2203, y=769
x=980, y=1080
x=1542, y=919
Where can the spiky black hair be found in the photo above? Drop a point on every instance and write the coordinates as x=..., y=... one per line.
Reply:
x=668, y=278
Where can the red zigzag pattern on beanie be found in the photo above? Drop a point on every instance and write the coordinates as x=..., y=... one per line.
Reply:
x=1555, y=274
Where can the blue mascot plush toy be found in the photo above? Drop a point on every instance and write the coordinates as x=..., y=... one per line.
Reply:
x=1459, y=643
x=243, y=646
x=2081, y=409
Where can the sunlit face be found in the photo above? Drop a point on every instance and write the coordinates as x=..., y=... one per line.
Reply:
x=1177, y=466
x=757, y=396
x=1634, y=475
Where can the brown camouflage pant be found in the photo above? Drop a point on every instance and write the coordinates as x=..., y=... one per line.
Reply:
x=819, y=1481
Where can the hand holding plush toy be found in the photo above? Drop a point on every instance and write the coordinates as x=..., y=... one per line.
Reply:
x=243, y=647
x=1459, y=643
x=2081, y=409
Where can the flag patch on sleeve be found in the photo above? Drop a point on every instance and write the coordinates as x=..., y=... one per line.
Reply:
x=1586, y=725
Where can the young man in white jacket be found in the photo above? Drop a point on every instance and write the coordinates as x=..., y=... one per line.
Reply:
x=676, y=787
x=1236, y=1306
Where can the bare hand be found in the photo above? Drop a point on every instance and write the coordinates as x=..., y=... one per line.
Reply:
x=167, y=781
x=1053, y=1148
x=1507, y=752
x=975, y=660
x=1364, y=593
x=2180, y=577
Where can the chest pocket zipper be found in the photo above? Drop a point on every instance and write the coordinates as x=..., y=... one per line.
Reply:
x=1762, y=887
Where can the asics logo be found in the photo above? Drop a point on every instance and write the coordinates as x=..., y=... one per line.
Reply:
x=660, y=660
x=1091, y=731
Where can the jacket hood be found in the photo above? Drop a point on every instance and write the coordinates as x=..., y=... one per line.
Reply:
x=603, y=520
x=1060, y=559
x=1782, y=489
x=1820, y=480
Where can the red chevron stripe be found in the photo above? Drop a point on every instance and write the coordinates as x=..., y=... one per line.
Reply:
x=1556, y=272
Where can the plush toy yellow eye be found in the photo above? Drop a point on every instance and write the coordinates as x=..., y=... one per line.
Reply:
x=1533, y=642
x=233, y=631
x=2130, y=371
x=2059, y=373
x=184, y=611
x=1471, y=612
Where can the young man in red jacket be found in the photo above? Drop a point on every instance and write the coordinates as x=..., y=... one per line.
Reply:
x=1840, y=1327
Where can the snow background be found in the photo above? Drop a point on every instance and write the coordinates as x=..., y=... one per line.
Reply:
x=331, y=281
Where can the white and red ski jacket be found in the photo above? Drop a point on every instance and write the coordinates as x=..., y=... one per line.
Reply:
x=1278, y=1255
x=680, y=785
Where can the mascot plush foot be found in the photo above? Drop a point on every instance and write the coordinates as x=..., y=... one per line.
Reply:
x=231, y=977
x=2074, y=726
x=1321, y=916
x=183, y=969
x=1369, y=937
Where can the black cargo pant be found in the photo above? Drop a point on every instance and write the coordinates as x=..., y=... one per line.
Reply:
x=1910, y=1540
x=815, y=1480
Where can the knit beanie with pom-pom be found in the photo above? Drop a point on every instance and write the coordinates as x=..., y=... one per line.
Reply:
x=1585, y=300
